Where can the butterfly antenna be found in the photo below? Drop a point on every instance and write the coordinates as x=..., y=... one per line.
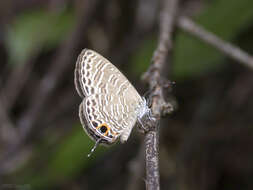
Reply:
x=94, y=148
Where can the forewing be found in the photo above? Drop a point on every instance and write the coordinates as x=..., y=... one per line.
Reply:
x=94, y=74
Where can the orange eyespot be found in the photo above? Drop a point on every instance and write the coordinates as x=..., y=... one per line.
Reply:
x=103, y=128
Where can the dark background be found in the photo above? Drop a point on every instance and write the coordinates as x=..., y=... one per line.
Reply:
x=205, y=144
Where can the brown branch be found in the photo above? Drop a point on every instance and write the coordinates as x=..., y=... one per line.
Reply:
x=153, y=76
x=230, y=50
x=158, y=105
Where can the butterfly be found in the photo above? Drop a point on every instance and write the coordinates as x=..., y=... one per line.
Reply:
x=110, y=105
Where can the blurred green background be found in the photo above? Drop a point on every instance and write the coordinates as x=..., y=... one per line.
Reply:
x=205, y=144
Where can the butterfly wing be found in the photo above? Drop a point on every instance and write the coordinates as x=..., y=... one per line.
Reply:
x=117, y=101
x=95, y=74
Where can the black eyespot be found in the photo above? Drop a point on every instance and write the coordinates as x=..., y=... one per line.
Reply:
x=103, y=129
x=95, y=124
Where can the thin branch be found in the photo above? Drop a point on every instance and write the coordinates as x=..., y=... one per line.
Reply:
x=158, y=105
x=230, y=50
x=153, y=76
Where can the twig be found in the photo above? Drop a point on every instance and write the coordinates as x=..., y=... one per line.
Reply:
x=158, y=105
x=230, y=50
